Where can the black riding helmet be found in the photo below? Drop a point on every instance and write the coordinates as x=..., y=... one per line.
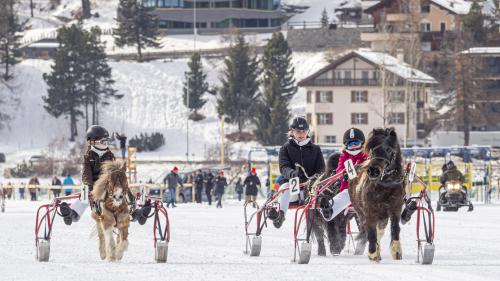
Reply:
x=299, y=123
x=96, y=132
x=450, y=165
x=353, y=134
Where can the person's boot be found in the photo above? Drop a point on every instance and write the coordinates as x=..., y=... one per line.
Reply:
x=279, y=220
x=410, y=208
x=66, y=211
x=273, y=214
x=173, y=205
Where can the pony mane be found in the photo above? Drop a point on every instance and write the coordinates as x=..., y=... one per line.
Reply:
x=108, y=168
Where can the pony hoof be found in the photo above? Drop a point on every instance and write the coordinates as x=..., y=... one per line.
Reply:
x=374, y=257
x=396, y=252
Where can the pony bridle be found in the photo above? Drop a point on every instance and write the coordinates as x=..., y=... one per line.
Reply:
x=388, y=162
x=110, y=190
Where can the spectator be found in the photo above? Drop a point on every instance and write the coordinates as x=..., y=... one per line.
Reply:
x=68, y=181
x=10, y=190
x=34, y=183
x=171, y=181
x=198, y=184
x=238, y=188
x=21, y=191
x=56, y=182
x=123, y=143
x=209, y=185
x=252, y=185
x=220, y=184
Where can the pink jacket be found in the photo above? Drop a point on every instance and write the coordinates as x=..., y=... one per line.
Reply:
x=358, y=159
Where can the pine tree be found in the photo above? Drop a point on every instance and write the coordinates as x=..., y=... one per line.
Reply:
x=9, y=37
x=272, y=115
x=474, y=24
x=195, y=87
x=136, y=26
x=239, y=90
x=278, y=60
x=97, y=80
x=65, y=94
x=324, y=18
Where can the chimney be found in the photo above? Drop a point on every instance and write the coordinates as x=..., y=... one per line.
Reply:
x=400, y=55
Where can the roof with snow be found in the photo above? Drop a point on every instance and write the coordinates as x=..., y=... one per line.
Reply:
x=382, y=60
x=459, y=7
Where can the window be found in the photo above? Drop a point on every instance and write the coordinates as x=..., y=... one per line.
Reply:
x=359, y=96
x=375, y=75
x=324, y=118
x=397, y=118
x=347, y=74
x=425, y=26
x=324, y=96
x=365, y=75
x=425, y=8
x=338, y=74
x=442, y=27
x=330, y=139
x=396, y=96
x=359, y=118
x=309, y=97
x=308, y=118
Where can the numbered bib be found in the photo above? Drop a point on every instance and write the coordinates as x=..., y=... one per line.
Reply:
x=411, y=174
x=351, y=171
x=294, y=185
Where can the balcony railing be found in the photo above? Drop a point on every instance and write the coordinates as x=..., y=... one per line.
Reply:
x=346, y=82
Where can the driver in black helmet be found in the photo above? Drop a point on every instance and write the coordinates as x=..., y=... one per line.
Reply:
x=298, y=149
x=97, y=152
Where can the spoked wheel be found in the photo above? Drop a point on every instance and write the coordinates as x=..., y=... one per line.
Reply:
x=43, y=250
x=302, y=235
x=254, y=222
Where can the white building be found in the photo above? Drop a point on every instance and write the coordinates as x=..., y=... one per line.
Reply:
x=367, y=89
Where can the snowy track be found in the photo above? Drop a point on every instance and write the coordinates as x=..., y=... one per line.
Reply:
x=207, y=244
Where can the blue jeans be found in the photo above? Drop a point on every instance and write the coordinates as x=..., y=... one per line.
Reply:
x=171, y=194
x=123, y=153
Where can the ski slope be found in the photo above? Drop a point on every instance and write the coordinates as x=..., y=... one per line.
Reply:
x=207, y=244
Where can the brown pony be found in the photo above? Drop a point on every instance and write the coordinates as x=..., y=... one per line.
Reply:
x=110, y=192
x=377, y=193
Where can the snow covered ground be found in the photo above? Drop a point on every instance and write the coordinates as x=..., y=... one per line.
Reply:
x=207, y=244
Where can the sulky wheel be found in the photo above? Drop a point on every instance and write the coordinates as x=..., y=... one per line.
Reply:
x=428, y=253
x=43, y=250
x=255, y=246
x=161, y=251
x=305, y=253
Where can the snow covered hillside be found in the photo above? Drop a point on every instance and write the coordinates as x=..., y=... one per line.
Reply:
x=208, y=243
x=152, y=102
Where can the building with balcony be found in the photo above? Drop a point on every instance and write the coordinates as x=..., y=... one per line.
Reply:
x=434, y=20
x=367, y=89
x=214, y=16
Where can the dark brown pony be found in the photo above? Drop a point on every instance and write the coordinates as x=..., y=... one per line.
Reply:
x=377, y=193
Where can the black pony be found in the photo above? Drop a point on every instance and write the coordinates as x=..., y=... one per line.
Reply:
x=336, y=228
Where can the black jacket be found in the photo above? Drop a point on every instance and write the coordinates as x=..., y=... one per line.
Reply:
x=309, y=156
x=198, y=181
x=220, y=184
x=209, y=181
x=92, y=166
